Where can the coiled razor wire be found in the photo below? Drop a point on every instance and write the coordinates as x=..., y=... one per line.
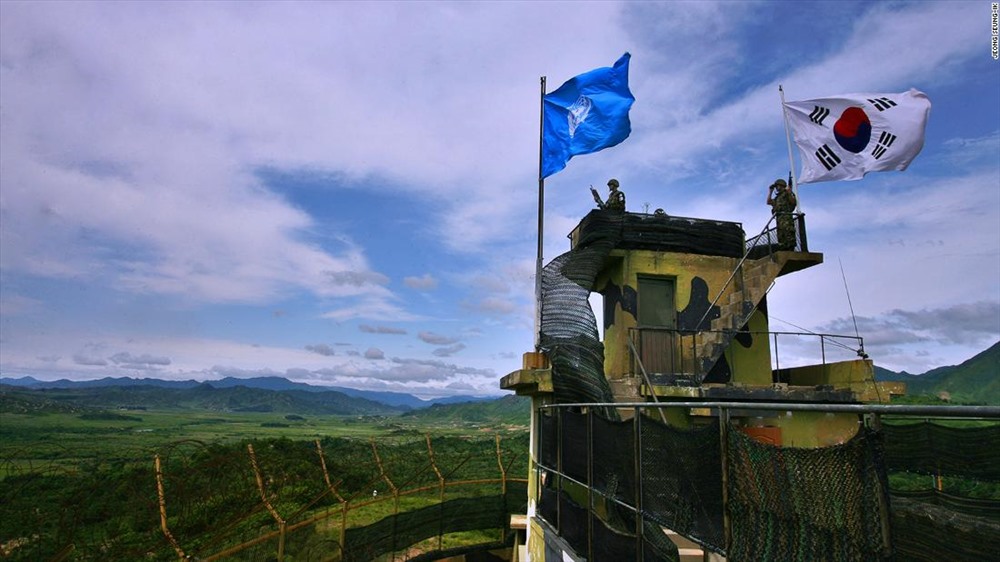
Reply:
x=569, y=328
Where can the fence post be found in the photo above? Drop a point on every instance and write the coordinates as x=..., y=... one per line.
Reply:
x=430, y=453
x=336, y=494
x=802, y=232
x=267, y=503
x=326, y=473
x=503, y=470
x=777, y=360
x=343, y=530
x=590, y=483
x=535, y=452
x=559, y=468
x=503, y=487
x=395, y=494
x=163, y=511
x=637, y=441
x=883, y=497
x=724, y=456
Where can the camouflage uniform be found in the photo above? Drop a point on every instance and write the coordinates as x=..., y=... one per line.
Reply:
x=782, y=206
x=616, y=199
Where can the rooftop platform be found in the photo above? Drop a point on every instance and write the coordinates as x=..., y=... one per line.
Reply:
x=664, y=233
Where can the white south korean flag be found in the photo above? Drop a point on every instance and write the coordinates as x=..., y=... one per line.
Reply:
x=845, y=137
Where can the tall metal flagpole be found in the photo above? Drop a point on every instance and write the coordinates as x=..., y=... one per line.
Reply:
x=791, y=162
x=541, y=207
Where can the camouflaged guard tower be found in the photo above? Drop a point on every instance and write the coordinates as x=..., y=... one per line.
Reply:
x=685, y=323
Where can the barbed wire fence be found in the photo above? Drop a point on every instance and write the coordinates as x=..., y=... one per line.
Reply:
x=276, y=499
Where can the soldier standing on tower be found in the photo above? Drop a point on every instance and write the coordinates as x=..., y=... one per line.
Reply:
x=782, y=206
x=616, y=198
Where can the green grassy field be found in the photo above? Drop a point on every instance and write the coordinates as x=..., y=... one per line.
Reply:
x=71, y=437
x=85, y=478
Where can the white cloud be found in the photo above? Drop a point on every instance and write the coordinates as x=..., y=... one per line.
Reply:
x=14, y=304
x=134, y=136
x=381, y=330
x=495, y=305
x=443, y=369
x=975, y=324
x=81, y=359
x=436, y=339
x=425, y=282
x=673, y=148
x=963, y=152
x=321, y=349
x=371, y=309
x=448, y=351
x=145, y=360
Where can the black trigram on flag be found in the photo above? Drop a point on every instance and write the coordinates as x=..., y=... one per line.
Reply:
x=819, y=114
x=882, y=104
x=827, y=157
x=885, y=140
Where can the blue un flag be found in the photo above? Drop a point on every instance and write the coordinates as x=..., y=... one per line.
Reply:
x=586, y=114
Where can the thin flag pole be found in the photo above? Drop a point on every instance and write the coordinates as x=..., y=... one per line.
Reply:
x=791, y=162
x=541, y=207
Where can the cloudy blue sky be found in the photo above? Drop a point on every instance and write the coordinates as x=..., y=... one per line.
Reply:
x=345, y=193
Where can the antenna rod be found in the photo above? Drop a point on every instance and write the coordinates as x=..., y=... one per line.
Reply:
x=861, y=342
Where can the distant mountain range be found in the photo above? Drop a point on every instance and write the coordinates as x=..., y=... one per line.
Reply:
x=975, y=381
x=510, y=409
x=397, y=400
x=204, y=397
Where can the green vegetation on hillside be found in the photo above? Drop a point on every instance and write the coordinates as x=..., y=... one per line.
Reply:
x=515, y=410
x=975, y=381
x=201, y=398
x=86, y=479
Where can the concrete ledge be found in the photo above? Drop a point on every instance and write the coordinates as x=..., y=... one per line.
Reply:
x=797, y=261
x=528, y=382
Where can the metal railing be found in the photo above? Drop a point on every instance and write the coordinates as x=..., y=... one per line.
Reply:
x=553, y=474
x=677, y=352
x=762, y=245
x=766, y=243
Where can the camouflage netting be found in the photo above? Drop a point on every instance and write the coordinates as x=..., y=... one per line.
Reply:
x=784, y=503
x=975, y=507
x=637, y=231
x=927, y=448
x=925, y=532
x=682, y=485
x=930, y=525
x=807, y=504
x=401, y=530
x=613, y=467
x=612, y=457
x=610, y=540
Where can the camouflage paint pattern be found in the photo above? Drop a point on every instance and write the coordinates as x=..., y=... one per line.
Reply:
x=698, y=280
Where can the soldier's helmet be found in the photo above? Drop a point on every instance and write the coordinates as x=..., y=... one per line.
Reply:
x=780, y=182
x=613, y=183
